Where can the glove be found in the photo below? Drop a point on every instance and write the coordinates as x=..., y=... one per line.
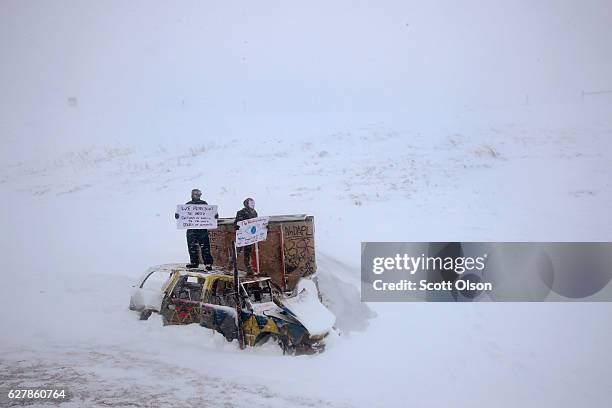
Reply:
x=176, y=216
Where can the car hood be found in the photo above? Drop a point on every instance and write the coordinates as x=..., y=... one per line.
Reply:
x=308, y=309
x=304, y=309
x=271, y=309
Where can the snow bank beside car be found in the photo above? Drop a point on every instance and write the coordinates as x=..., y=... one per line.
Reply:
x=339, y=288
x=308, y=310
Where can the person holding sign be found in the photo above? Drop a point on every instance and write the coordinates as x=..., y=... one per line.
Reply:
x=197, y=238
x=246, y=213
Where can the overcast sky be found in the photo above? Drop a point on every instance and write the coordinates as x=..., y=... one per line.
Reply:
x=128, y=62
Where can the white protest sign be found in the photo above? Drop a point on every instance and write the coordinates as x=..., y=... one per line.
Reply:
x=252, y=231
x=196, y=216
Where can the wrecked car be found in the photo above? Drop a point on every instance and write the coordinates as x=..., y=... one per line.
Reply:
x=297, y=323
x=279, y=304
x=208, y=299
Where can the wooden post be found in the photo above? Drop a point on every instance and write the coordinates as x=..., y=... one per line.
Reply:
x=237, y=298
x=282, y=246
x=257, y=257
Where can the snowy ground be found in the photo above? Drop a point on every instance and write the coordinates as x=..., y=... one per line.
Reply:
x=82, y=223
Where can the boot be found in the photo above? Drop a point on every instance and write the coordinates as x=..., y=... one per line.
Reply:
x=191, y=266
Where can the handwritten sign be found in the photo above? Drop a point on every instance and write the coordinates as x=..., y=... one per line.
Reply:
x=196, y=216
x=252, y=231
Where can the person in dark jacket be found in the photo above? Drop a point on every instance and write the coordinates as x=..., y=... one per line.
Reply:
x=198, y=238
x=247, y=212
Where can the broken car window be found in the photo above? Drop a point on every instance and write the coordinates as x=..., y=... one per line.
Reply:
x=189, y=288
x=222, y=293
x=258, y=291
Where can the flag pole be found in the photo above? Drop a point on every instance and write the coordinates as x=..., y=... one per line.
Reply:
x=237, y=298
x=257, y=256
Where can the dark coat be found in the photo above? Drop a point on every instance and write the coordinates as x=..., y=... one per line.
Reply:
x=176, y=216
x=198, y=238
x=196, y=202
x=245, y=214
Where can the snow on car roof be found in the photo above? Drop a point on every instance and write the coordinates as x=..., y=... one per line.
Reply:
x=251, y=279
x=202, y=273
x=199, y=273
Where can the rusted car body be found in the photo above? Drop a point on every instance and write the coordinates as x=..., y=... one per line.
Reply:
x=208, y=299
x=269, y=307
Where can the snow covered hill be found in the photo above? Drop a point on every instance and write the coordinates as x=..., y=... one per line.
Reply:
x=400, y=121
x=81, y=226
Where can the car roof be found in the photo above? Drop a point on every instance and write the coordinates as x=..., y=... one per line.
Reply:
x=202, y=273
x=252, y=279
x=198, y=274
x=218, y=273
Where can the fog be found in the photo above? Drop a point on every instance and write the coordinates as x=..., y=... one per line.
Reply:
x=471, y=121
x=114, y=71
